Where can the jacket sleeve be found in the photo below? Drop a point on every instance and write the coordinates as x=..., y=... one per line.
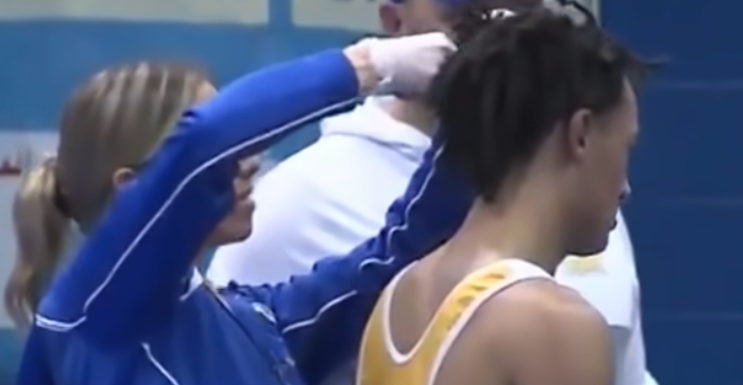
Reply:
x=322, y=314
x=136, y=264
x=34, y=368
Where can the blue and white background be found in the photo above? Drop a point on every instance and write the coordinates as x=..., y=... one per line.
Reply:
x=686, y=216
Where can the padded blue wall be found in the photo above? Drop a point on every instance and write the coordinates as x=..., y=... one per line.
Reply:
x=686, y=215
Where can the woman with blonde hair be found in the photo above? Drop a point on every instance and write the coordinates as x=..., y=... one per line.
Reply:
x=130, y=307
x=116, y=118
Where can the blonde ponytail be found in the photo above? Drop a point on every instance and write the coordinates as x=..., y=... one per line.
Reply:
x=113, y=120
x=41, y=229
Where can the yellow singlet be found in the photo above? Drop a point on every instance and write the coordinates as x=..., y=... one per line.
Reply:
x=380, y=363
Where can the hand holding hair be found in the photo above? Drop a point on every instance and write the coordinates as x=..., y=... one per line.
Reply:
x=400, y=66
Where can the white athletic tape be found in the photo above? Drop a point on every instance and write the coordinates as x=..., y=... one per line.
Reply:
x=500, y=13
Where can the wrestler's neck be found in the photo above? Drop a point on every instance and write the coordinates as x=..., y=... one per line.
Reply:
x=412, y=113
x=526, y=229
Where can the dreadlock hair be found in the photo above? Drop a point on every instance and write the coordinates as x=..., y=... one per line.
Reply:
x=515, y=77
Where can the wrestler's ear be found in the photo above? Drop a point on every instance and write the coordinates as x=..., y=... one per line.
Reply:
x=389, y=18
x=122, y=176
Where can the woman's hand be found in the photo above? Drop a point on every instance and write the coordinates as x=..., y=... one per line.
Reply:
x=401, y=66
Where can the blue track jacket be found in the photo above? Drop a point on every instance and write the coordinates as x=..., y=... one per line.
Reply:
x=129, y=308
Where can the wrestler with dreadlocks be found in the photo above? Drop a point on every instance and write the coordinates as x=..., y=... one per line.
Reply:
x=538, y=113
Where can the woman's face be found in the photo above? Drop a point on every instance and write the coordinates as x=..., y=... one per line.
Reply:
x=238, y=224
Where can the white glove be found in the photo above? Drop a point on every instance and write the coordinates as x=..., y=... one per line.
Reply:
x=407, y=64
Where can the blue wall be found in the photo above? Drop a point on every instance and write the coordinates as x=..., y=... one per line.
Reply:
x=687, y=211
x=36, y=81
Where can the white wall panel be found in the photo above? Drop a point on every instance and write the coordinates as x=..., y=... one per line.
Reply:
x=228, y=11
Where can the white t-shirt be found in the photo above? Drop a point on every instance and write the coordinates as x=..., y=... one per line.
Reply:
x=609, y=282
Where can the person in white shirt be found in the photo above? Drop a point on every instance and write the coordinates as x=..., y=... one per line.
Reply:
x=325, y=199
x=332, y=195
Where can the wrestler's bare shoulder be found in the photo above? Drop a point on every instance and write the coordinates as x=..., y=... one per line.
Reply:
x=541, y=295
x=536, y=310
x=536, y=331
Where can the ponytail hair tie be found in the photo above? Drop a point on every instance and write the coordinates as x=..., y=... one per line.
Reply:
x=58, y=197
x=499, y=13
